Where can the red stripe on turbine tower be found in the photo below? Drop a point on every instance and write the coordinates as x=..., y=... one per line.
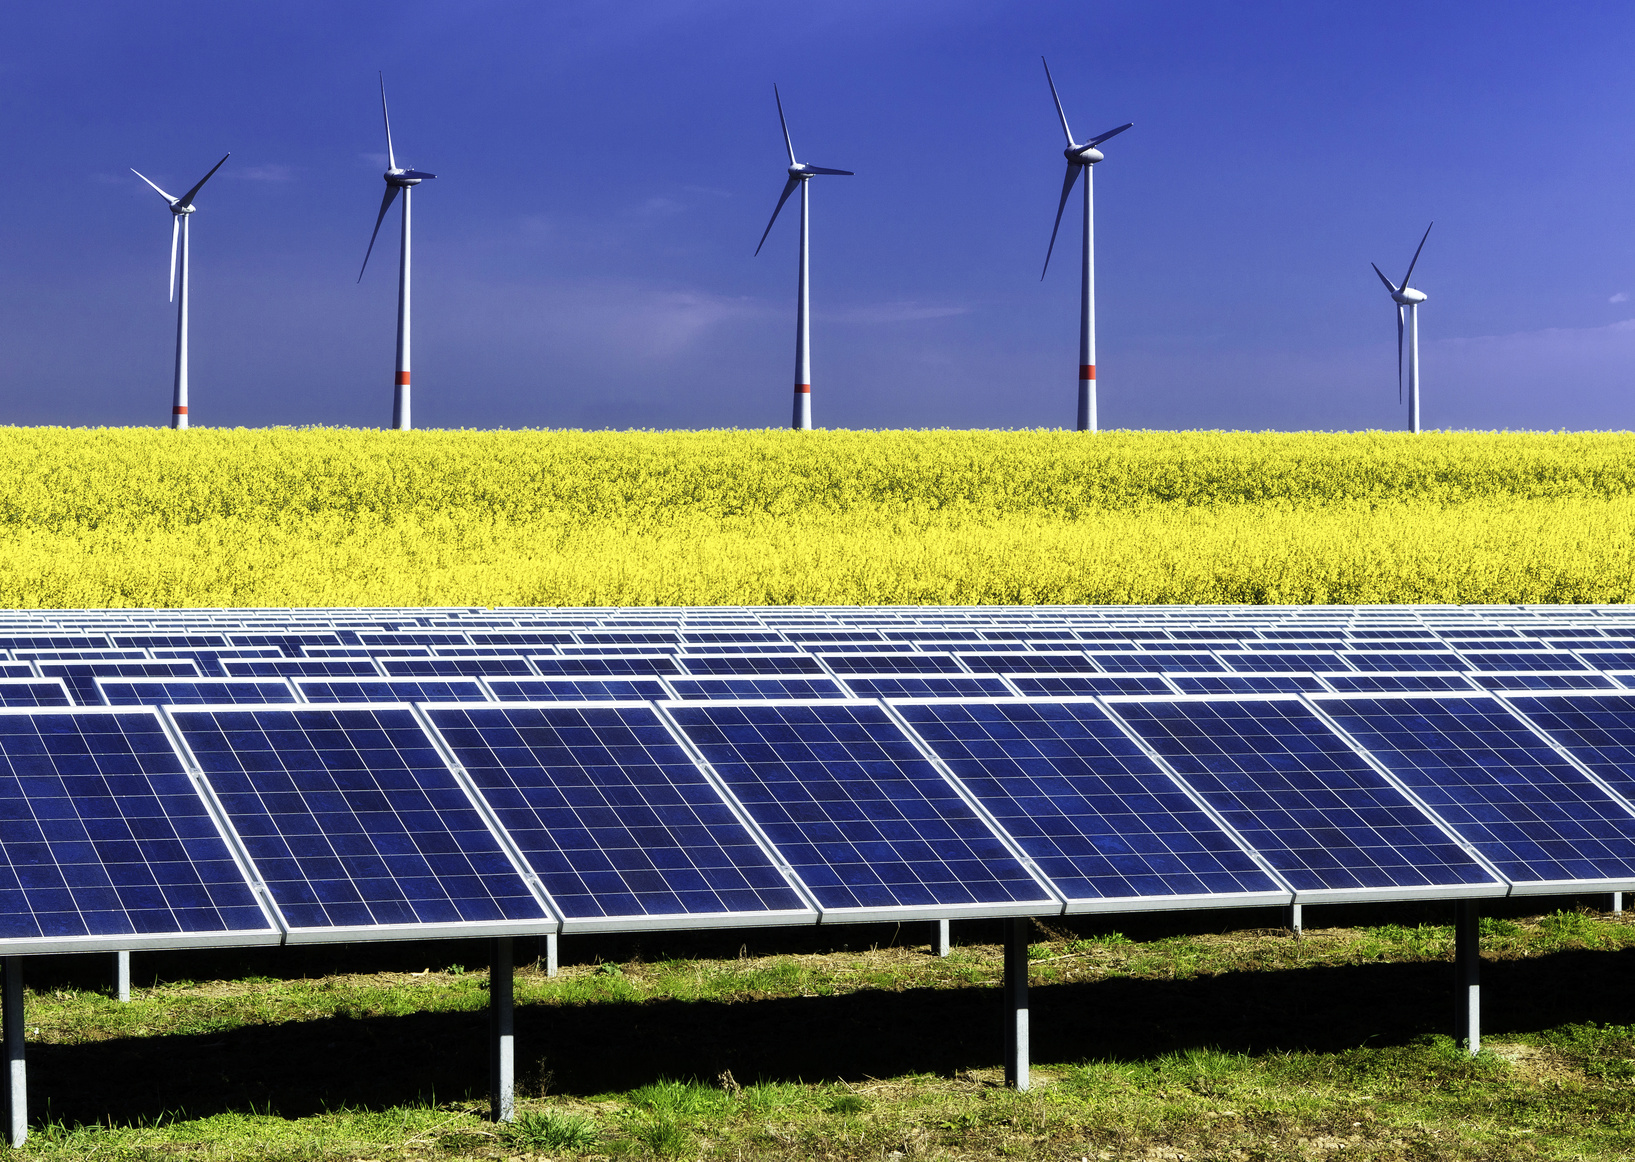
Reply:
x=804, y=388
x=178, y=411
x=1087, y=371
x=403, y=379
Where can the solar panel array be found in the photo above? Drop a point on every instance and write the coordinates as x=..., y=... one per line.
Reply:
x=199, y=777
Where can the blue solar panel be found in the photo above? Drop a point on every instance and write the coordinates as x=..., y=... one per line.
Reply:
x=1394, y=683
x=1079, y=685
x=175, y=641
x=103, y=835
x=163, y=691
x=80, y=677
x=1043, y=662
x=750, y=665
x=291, y=643
x=1557, y=660
x=576, y=689
x=354, y=820
x=599, y=638
x=607, y=666
x=937, y=635
x=1584, y=680
x=892, y=663
x=16, y=670
x=612, y=815
x=1246, y=683
x=734, y=637
x=705, y=689
x=1283, y=661
x=300, y=668
x=1396, y=660
x=520, y=638
x=865, y=820
x=54, y=642
x=1326, y=820
x=500, y=667
x=1096, y=814
x=80, y=655
x=209, y=661
x=1609, y=659
x=889, y=686
x=1154, y=661
x=391, y=689
x=825, y=636
x=1507, y=791
x=417, y=638
x=33, y=692
x=1596, y=729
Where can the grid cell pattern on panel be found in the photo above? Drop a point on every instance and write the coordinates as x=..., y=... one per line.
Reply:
x=353, y=818
x=575, y=689
x=1246, y=683
x=1405, y=662
x=103, y=834
x=1389, y=683
x=499, y=667
x=1306, y=660
x=925, y=686
x=176, y=691
x=1098, y=816
x=81, y=677
x=1300, y=796
x=610, y=812
x=714, y=689
x=391, y=689
x=1529, y=811
x=893, y=663
x=1609, y=659
x=1042, y=662
x=1596, y=729
x=1079, y=685
x=750, y=665
x=1538, y=680
x=33, y=692
x=16, y=670
x=300, y=668
x=1154, y=661
x=1512, y=660
x=606, y=666
x=865, y=819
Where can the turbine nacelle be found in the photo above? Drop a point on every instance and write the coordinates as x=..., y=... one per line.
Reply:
x=175, y=208
x=403, y=178
x=1083, y=155
x=1409, y=297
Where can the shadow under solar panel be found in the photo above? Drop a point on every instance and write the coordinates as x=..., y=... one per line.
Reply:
x=1540, y=820
x=621, y=826
x=357, y=825
x=869, y=825
x=1110, y=829
x=1332, y=826
x=105, y=842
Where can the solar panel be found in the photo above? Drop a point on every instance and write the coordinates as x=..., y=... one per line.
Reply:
x=915, y=686
x=1284, y=661
x=163, y=691
x=391, y=689
x=170, y=640
x=1154, y=661
x=1542, y=822
x=1330, y=824
x=33, y=692
x=300, y=668
x=417, y=638
x=606, y=665
x=621, y=827
x=1609, y=659
x=1041, y=661
x=893, y=663
x=865, y=820
x=356, y=824
x=467, y=667
x=707, y=689
x=1596, y=729
x=750, y=665
x=520, y=638
x=1098, y=816
x=1401, y=662
x=1246, y=683
x=1538, y=680
x=17, y=670
x=105, y=843
x=1389, y=683
x=80, y=655
x=80, y=677
x=1514, y=660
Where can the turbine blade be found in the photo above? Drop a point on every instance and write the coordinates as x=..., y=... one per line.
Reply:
x=391, y=158
x=1111, y=133
x=160, y=192
x=385, y=204
x=418, y=173
x=175, y=233
x=789, y=188
x=789, y=145
x=1399, y=353
x=187, y=198
x=1058, y=101
x=1067, y=188
x=1415, y=262
x=845, y=173
x=1389, y=285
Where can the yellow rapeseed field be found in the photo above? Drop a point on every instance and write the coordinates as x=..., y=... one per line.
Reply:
x=142, y=517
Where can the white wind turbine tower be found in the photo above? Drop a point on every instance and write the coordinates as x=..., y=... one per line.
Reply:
x=181, y=210
x=397, y=181
x=799, y=175
x=1406, y=297
x=1080, y=157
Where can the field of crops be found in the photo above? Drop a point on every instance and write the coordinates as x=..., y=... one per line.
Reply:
x=140, y=517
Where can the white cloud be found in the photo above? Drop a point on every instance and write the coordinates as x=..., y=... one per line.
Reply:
x=1620, y=297
x=266, y=173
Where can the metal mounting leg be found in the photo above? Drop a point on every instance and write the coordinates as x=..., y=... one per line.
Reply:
x=11, y=1001
x=1016, y=1002
x=1615, y=904
x=122, y=976
x=1467, y=968
x=547, y=952
x=501, y=1040
x=1292, y=919
x=940, y=939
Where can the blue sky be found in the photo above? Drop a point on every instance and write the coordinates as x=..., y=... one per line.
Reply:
x=584, y=257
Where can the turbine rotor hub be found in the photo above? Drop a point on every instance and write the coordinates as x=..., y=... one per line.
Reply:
x=799, y=170
x=183, y=209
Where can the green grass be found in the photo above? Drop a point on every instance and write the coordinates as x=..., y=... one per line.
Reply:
x=1180, y=1044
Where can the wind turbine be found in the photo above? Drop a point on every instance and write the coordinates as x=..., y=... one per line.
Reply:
x=181, y=209
x=397, y=181
x=799, y=175
x=1080, y=157
x=1406, y=297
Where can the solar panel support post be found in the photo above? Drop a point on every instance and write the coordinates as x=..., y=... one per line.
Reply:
x=122, y=977
x=501, y=1040
x=1467, y=967
x=11, y=1016
x=940, y=939
x=1016, y=1002
x=1615, y=903
x=1292, y=919
x=547, y=952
